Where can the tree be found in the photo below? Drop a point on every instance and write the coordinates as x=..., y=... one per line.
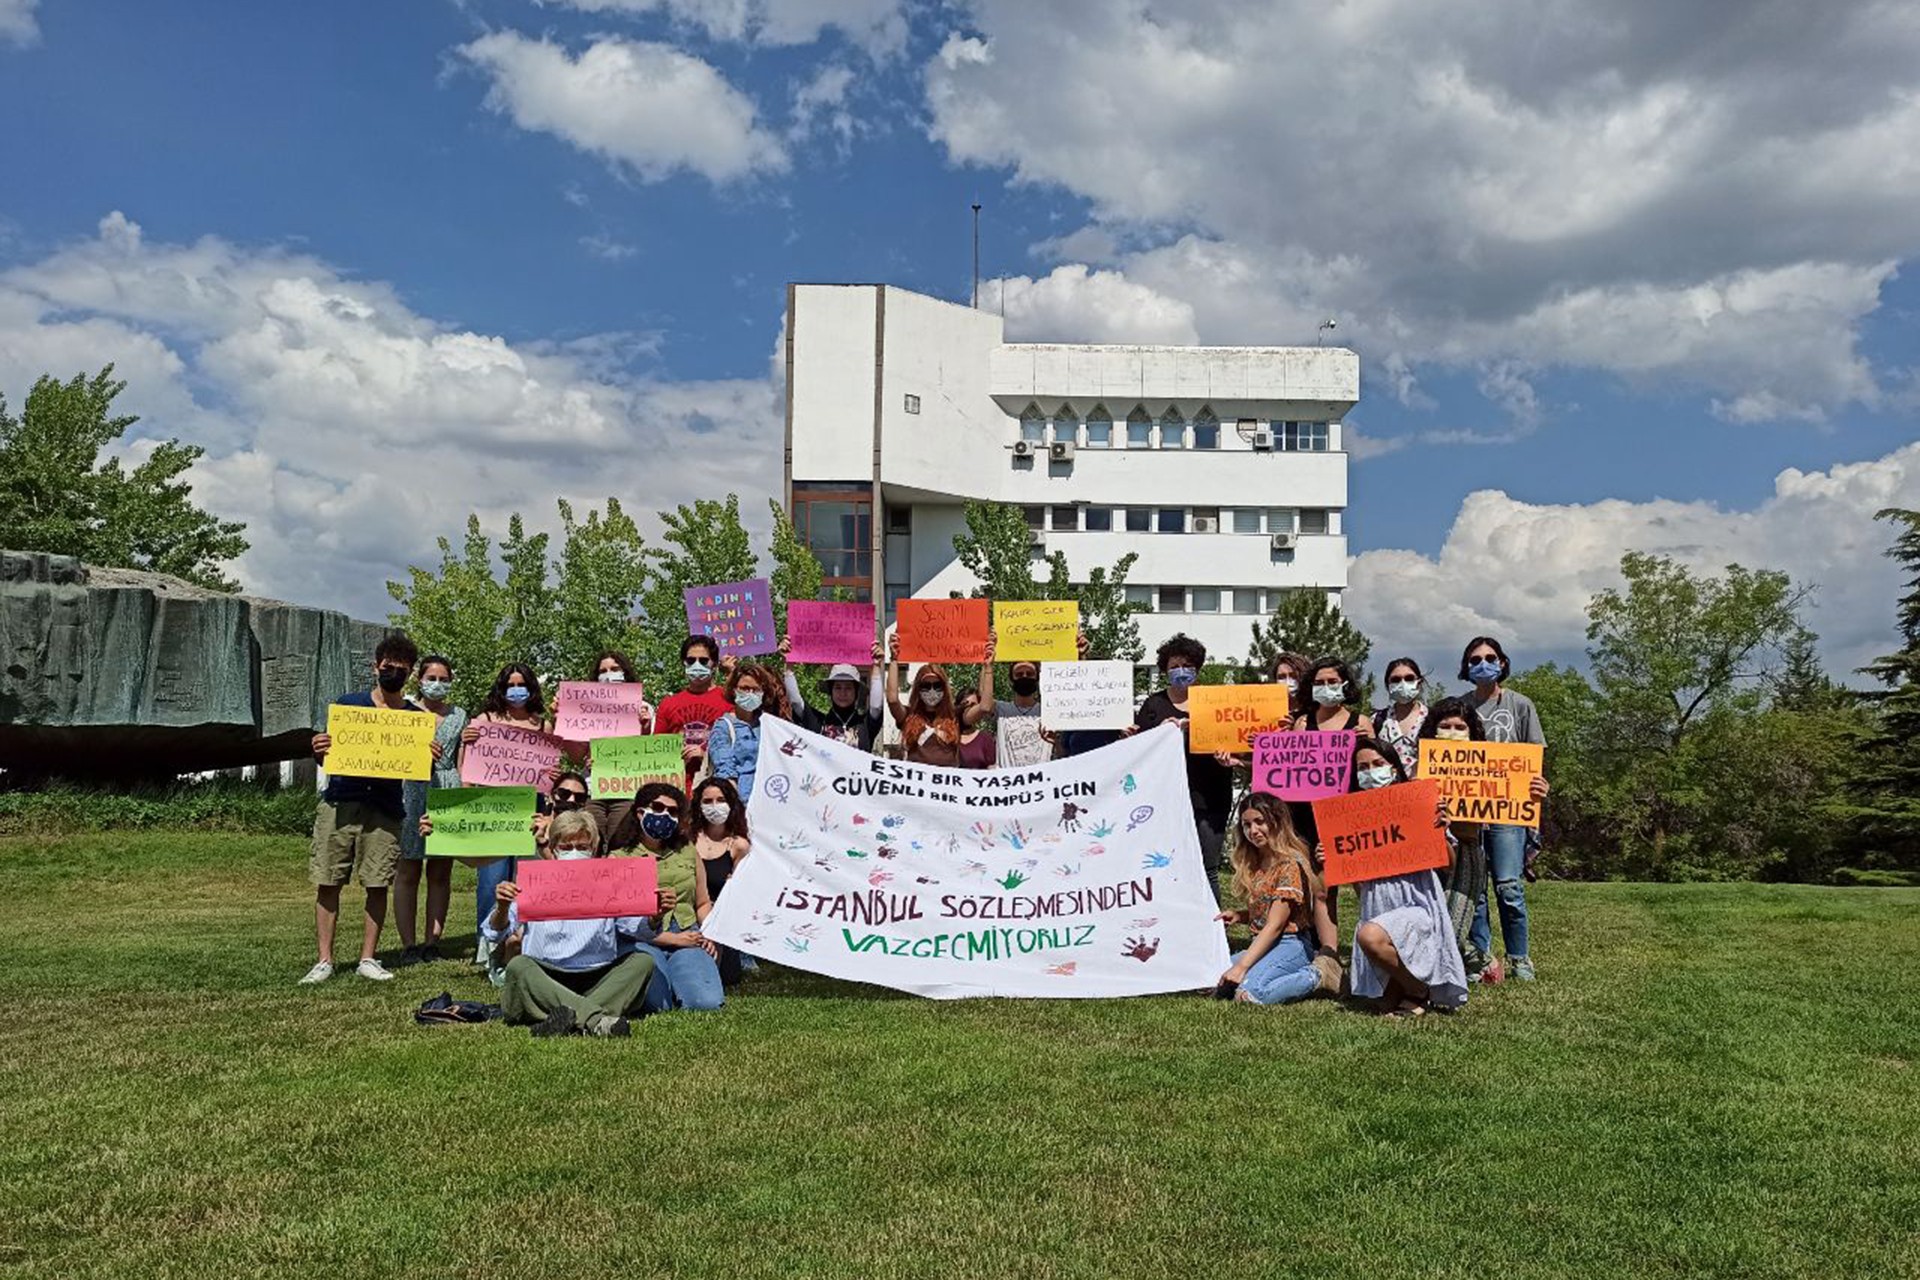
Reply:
x=997, y=548
x=462, y=611
x=1882, y=813
x=57, y=496
x=601, y=576
x=1306, y=622
x=706, y=543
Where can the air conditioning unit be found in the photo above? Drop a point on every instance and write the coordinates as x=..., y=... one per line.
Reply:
x=1263, y=439
x=1205, y=524
x=1061, y=451
x=1023, y=448
x=1035, y=538
x=1283, y=542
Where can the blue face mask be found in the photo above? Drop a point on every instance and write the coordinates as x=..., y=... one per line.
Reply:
x=659, y=826
x=1181, y=677
x=518, y=694
x=436, y=689
x=1484, y=672
x=1330, y=695
x=1378, y=776
x=747, y=700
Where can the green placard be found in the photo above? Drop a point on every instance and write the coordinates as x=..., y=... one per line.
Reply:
x=621, y=766
x=480, y=822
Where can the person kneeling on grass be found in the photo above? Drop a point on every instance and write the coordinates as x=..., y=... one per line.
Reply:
x=1287, y=908
x=573, y=976
x=1405, y=952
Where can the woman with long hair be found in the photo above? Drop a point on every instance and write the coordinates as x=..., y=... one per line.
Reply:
x=686, y=963
x=720, y=839
x=1294, y=948
x=1465, y=881
x=514, y=699
x=733, y=744
x=931, y=724
x=436, y=692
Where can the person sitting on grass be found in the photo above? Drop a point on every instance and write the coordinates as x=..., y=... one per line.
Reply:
x=686, y=963
x=573, y=977
x=1286, y=908
x=1405, y=952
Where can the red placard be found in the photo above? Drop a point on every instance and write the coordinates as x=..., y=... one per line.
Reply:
x=587, y=888
x=1388, y=831
x=941, y=630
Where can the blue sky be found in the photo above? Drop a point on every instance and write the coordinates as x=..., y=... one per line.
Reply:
x=1610, y=276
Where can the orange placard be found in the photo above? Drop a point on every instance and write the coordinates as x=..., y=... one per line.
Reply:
x=940, y=631
x=1226, y=717
x=1485, y=781
x=1388, y=831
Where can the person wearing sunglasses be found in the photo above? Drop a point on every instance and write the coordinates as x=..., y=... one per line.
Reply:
x=1506, y=717
x=686, y=973
x=932, y=723
x=569, y=795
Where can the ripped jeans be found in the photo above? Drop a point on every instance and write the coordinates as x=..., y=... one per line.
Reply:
x=1506, y=882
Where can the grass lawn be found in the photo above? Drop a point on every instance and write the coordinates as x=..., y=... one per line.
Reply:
x=1706, y=1081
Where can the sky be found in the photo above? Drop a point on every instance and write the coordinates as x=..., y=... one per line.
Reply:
x=1633, y=276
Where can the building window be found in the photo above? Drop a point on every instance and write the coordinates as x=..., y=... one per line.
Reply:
x=835, y=520
x=1139, y=429
x=1205, y=600
x=1172, y=600
x=1246, y=520
x=1206, y=430
x=899, y=519
x=1036, y=517
x=1139, y=520
x=1171, y=520
x=913, y=403
x=1033, y=425
x=1246, y=599
x=1301, y=437
x=1173, y=429
x=1066, y=426
x=1066, y=520
x=1140, y=595
x=1279, y=519
x=1275, y=597
x=1313, y=520
x=1099, y=428
x=1099, y=520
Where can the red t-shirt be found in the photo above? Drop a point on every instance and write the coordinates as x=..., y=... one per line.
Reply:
x=678, y=710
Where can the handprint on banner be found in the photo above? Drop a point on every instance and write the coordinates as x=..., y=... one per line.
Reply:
x=824, y=861
x=1015, y=835
x=892, y=820
x=810, y=929
x=1094, y=850
x=1070, y=816
x=750, y=938
x=968, y=869
x=887, y=851
x=794, y=843
x=1100, y=830
x=1052, y=837
x=1140, y=949
x=1064, y=871
x=1129, y=786
x=799, y=945
x=793, y=747
x=861, y=819
x=763, y=917
x=1155, y=860
x=812, y=785
x=1139, y=815
x=856, y=853
x=1012, y=880
x=778, y=786
x=879, y=878
x=1145, y=922
x=927, y=879
x=826, y=818
x=1062, y=970
x=983, y=832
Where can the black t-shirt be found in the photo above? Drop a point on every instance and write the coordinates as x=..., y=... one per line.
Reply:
x=383, y=794
x=854, y=726
x=1210, y=781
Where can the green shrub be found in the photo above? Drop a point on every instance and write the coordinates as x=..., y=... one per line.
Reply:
x=214, y=804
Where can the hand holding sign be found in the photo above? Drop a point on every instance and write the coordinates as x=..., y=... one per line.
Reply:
x=585, y=710
x=1303, y=766
x=589, y=888
x=621, y=766
x=826, y=632
x=479, y=822
x=372, y=742
x=1227, y=717
x=1486, y=781
x=1035, y=630
x=941, y=631
x=738, y=615
x=1388, y=831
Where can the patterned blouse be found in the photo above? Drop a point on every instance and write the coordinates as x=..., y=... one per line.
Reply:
x=1280, y=882
x=1403, y=742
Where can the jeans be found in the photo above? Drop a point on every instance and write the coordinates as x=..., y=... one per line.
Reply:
x=1284, y=974
x=683, y=978
x=1506, y=867
x=489, y=878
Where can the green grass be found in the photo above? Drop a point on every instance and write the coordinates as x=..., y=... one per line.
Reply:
x=1708, y=1080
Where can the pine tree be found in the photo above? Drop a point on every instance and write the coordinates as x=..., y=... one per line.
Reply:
x=1884, y=818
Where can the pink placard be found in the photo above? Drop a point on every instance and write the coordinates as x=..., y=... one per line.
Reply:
x=587, y=888
x=1303, y=766
x=584, y=710
x=507, y=755
x=828, y=632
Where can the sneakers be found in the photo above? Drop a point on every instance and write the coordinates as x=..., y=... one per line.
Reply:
x=1522, y=968
x=606, y=1026
x=374, y=970
x=318, y=974
x=558, y=1023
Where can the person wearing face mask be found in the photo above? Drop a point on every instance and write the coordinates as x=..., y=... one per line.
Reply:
x=1290, y=670
x=1455, y=720
x=854, y=708
x=733, y=746
x=1295, y=947
x=720, y=838
x=686, y=971
x=1396, y=726
x=612, y=667
x=357, y=828
x=572, y=977
x=693, y=711
x=1507, y=717
x=514, y=699
x=1209, y=777
x=1405, y=952
x=436, y=687
x=978, y=748
x=1016, y=720
x=932, y=724
x=1333, y=699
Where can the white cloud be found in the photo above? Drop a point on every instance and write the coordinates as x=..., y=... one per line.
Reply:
x=821, y=102
x=647, y=108
x=348, y=430
x=607, y=249
x=1708, y=195
x=1525, y=572
x=879, y=26
x=1075, y=304
x=17, y=25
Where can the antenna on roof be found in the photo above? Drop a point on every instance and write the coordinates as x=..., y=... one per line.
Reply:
x=975, y=304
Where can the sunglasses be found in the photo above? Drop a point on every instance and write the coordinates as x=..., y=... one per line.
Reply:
x=569, y=797
x=928, y=688
x=664, y=806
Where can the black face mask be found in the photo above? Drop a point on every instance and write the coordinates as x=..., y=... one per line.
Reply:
x=1026, y=686
x=392, y=681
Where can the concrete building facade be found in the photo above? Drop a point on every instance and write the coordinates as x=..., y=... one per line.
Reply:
x=1223, y=468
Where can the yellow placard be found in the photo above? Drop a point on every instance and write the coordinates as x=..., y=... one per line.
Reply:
x=1036, y=630
x=1226, y=717
x=1485, y=781
x=371, y=742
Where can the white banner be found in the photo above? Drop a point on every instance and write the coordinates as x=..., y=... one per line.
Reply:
x=1086, y=695
x=1076, y=878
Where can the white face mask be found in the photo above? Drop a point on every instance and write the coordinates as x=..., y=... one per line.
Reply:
x=715, y=813
x=929, y=698
x=1404, y=690
x=1289, y=684
x=613, y=677
x=1330, y=695
x=1451, y=735
x=572, y=855
x=1378, y=776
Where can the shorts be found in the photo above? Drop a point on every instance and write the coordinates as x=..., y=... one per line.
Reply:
x=353, y=835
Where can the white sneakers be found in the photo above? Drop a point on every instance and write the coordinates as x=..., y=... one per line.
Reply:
x=373, y=969
x=319, y=973
x=370, y=969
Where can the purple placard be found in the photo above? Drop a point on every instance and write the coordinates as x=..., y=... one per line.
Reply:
x=827, y=632
x=1303, y=766
x=738, y=615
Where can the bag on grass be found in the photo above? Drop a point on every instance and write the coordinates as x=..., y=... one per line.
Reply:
x=443, y=1009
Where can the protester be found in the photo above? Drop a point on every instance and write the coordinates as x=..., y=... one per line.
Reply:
x=1396, y=726
x=1335, y=698
x=356, y=830
x=692, y=712
x=1405, y=951
x=720, y=838
x=931, y=727
x=436, y=686
x=855, y=707
x=612, y=667
x=978, y=747
x=1016, y=720
x=572, y=977
x=1455, y=720
x=513, y=700
x=1209, y=776
x=1294, y=948
x=733, y=745
x=1290, y=671
x=1506, y=716
x=569, y=795
x=686, y=965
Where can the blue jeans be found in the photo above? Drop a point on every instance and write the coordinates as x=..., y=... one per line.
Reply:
x=489, y=878
x=1506, y=867
x=1284, y=974
x=683, y=978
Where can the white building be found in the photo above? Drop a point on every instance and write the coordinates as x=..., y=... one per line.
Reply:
x=1222, y=467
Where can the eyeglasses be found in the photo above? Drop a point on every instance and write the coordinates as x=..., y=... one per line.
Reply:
x=664, y=806
x=569, y=797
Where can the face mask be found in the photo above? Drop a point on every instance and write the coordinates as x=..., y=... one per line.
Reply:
x=436, y=689
x=392, y=681
x=1378, y=776
x=929, y=698
x=1451, y=735
x=518, y=694
x=747, y=700
x=659, y=826
x=1484, y=672
x=1404, y=690
x=1181, y=677
x=572, y=855
x=1289, y=684
x=1330, y=695
x=715, y=813
x=1026, y=686
x=613, y=677
x=698, y=671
